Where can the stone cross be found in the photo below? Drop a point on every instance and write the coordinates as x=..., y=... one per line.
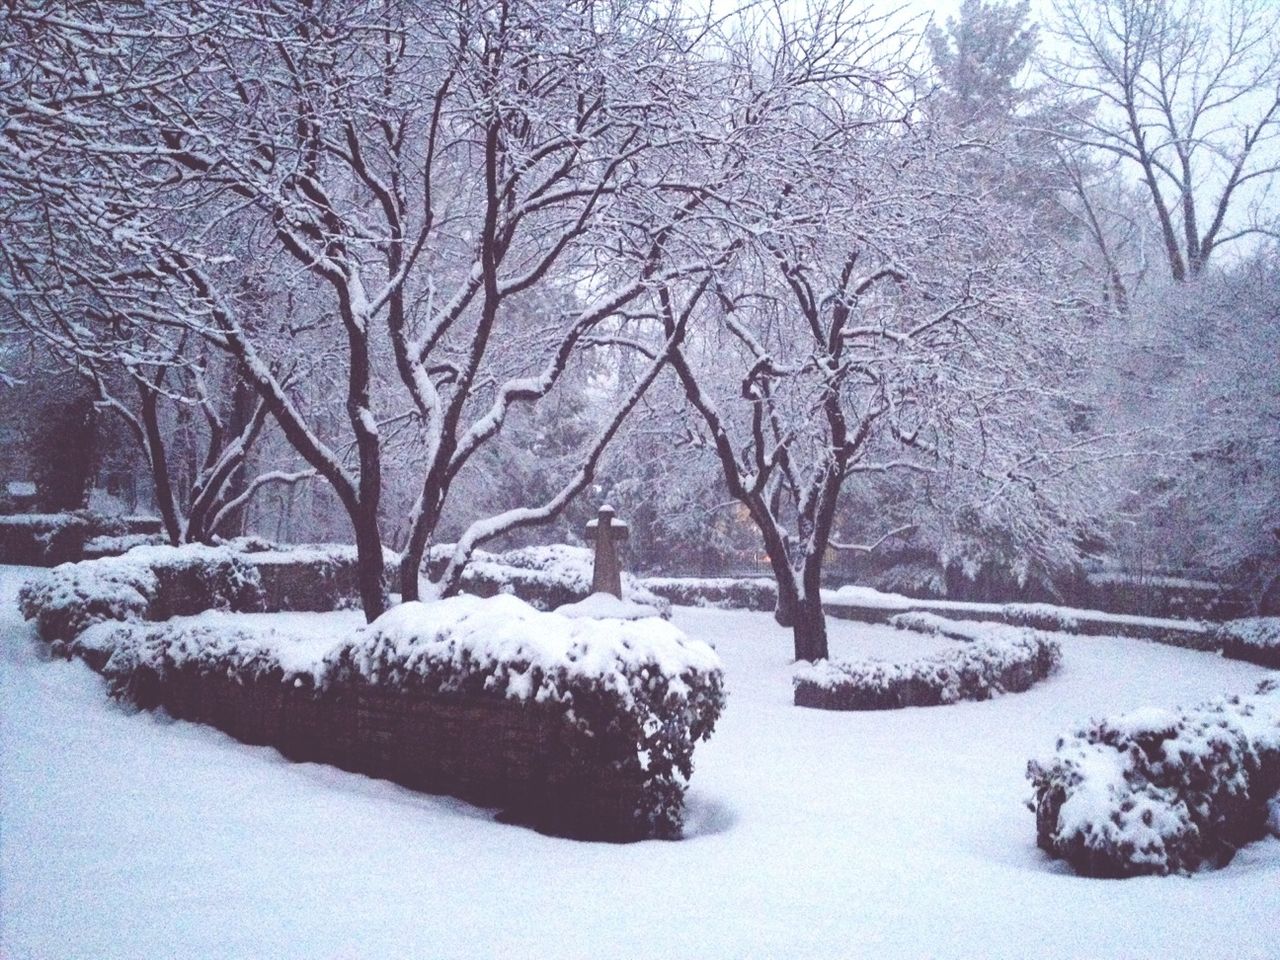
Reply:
x=607, y=532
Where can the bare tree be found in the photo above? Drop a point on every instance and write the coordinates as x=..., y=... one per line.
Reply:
x=458, y=194
x=1188, y=93
x=879, y=318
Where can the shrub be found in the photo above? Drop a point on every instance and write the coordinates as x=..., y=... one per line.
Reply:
x=48, y=539
x=992, y=659
x=1159, y=791
x=73, y=596
x=1042, y=616
x=545, y=577
x=604, y=714
x=1256, y=639
x=637, y=694
x=148, y=583
x=724, y=592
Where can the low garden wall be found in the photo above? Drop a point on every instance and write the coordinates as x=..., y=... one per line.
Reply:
x=1162, y=791
x=48, y=539
x=578, y=726
x=991, y=659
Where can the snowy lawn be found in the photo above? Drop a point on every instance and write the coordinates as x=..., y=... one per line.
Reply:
x=894, y=834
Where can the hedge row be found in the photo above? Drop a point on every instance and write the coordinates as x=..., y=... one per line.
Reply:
x=583, y=728
x=545, y=577
x=990, y=660
x=155, y=583
x=48, y=539
x=724, y=592
x=1256, y=639
x=1159, y=791
x=867, y=606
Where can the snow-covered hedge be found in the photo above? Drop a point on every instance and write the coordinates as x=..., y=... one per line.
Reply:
x=991, y=659
x=637, y=695
x=48, y=539
x=871, y=606
x=545, y=577
x=725, y=592
x=113, y=546
x=606, y=711
x=1160, y=791
x=158, y=582
x=1256, y=639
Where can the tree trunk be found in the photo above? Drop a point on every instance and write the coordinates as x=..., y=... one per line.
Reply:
x=784, y=610
x=810, y=628
x=369, y=568
x=166, y=502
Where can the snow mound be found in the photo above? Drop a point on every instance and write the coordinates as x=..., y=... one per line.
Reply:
x=1160, y=791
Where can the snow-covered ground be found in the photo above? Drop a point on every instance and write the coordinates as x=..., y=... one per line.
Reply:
x=897, y=834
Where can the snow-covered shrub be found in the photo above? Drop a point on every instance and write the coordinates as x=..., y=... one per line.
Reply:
x=147, y=583
x=1256, y=639
x=991, y=659
x=637, y=695
x=605, y=713
x=159, y=582
x=1042, y=616
x=67, y=599
x=724, y=592
x=313, y=577
x=194, y=577
x=138, y=658
x=1160, y=791
x=545, y=576
x=112, y=546
x=48, y=539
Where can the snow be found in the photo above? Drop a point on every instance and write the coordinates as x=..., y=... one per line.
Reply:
x=532, y=654
x=301, y=643
x=898, y=834
x=607, y=606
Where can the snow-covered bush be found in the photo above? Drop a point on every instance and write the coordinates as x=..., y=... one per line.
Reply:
x=622, y=703
x=545, y=576
x=637, y=695
x=1256, y=639
x=112, y=546
x=147, y=583
x=73, y=596
x=1042, y=616
x=1160, y=791
x=48, y=539
x=724, y=592
x=137, y=658
x=991, y=659
x=158, y=582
